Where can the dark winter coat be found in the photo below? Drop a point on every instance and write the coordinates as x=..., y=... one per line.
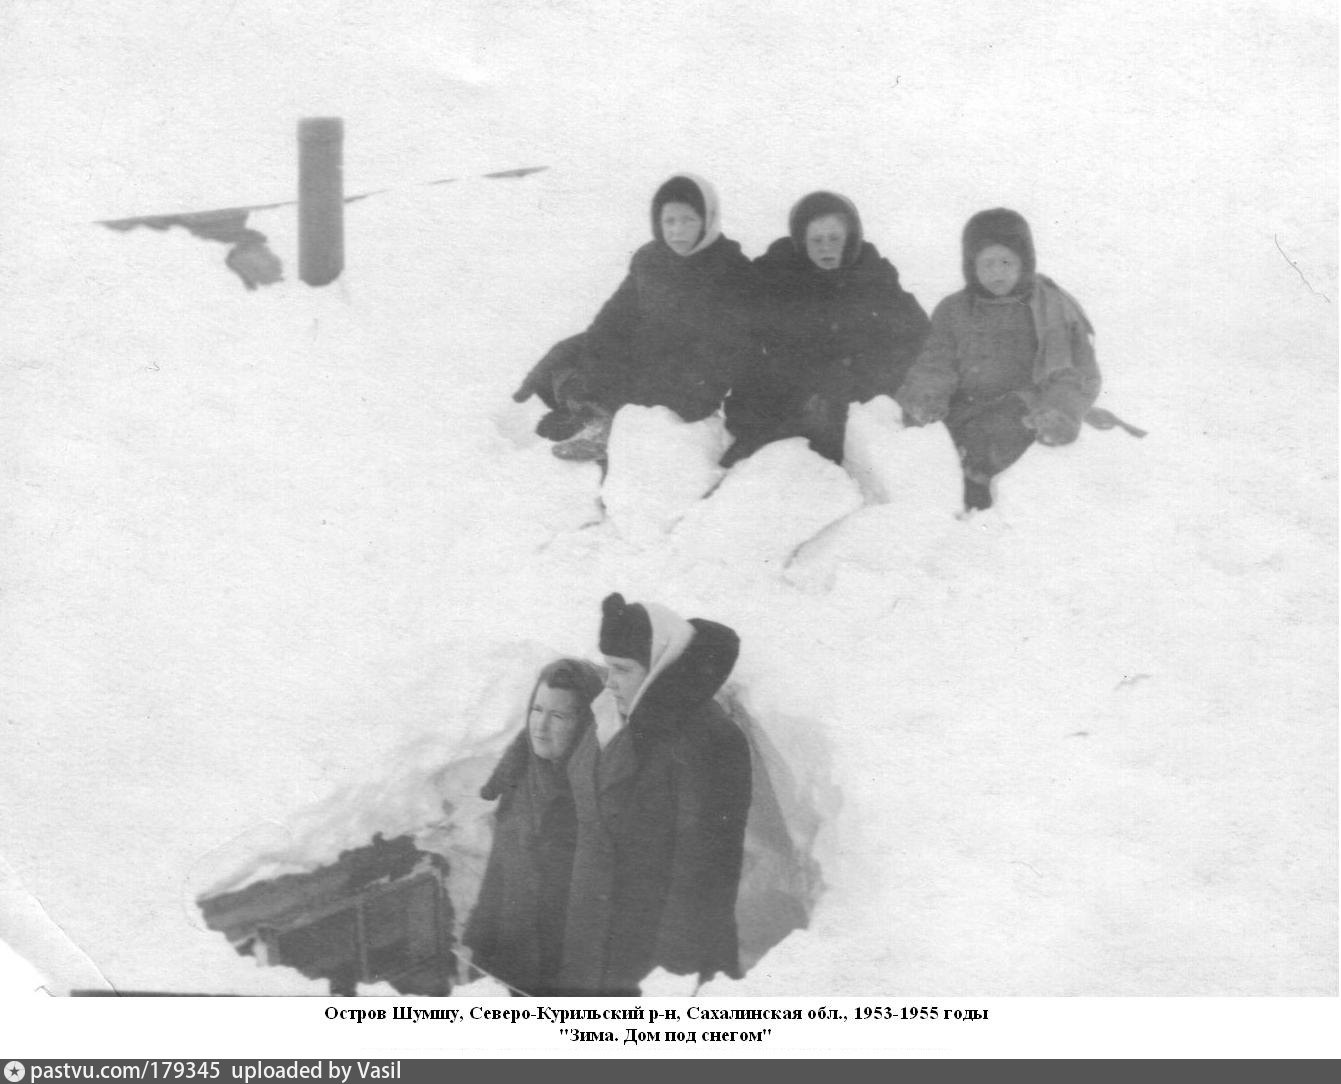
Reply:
x=846, y=335
x=515, y=932
x=849, y=334
x=661, y=814
x=674, y=334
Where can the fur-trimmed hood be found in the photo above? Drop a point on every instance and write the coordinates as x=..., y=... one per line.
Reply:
x=680, y=683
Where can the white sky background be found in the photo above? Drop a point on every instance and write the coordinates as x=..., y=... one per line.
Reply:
x=180, y=104
x=1185, y=138
x=1131, y=137
x=1121, y=133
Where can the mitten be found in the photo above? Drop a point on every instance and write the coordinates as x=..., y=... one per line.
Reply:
x=1052, y=426
x=527, y=388
x=923, y=413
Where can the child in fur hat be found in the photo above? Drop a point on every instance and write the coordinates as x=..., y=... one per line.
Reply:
x=1010, y=359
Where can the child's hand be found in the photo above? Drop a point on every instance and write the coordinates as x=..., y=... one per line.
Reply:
x=1052, y=426
x=923, y=414
x=815, y=412
x=525, y=390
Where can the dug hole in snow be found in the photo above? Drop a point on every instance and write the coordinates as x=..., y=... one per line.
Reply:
x=429, y=791
x=800, y=519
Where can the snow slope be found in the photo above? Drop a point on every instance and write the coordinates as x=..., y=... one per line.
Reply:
x=273, y=562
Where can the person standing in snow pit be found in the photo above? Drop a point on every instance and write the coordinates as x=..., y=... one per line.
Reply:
x=515, y=932
x=1010, y=359
x=674, y=334
x=662, y=789
x=835, y=326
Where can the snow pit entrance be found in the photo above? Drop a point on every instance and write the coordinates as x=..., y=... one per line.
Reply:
x=393, y=911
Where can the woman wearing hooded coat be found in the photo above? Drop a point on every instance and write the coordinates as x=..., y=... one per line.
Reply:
x=515, y=932
x=662, y=790
x=836, y=328
x=674, y=334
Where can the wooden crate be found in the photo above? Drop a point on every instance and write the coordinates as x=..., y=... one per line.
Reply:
x=379, y=913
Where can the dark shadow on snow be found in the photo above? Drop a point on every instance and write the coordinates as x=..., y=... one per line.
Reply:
x=249, y=257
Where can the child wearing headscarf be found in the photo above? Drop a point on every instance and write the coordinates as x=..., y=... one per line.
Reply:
x=675, y=333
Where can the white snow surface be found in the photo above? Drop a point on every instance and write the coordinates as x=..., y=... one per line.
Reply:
x=660, y=466
x=279, y=567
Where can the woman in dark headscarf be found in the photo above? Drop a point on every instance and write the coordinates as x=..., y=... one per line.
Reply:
x=515, y=932
x=835, y=326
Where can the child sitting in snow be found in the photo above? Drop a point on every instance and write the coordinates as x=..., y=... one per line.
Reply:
x=1009, y=360
x=674, y=334
x=836, y=328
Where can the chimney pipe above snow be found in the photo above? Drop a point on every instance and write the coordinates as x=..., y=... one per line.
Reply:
x=321, y=206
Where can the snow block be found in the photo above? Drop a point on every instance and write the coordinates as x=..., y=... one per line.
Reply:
x=659, y=467
x=767, y=506
x=917, y=467
x=516, y=423
x=880, y=548
x=912, y=480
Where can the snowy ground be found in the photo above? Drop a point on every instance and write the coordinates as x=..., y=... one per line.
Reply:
x=272, y=560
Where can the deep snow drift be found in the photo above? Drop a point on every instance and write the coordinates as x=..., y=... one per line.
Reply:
x=279, y=567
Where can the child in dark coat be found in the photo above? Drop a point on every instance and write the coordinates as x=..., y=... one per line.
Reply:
x=835, y=328
x=674, y=334
x=1010, y=359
